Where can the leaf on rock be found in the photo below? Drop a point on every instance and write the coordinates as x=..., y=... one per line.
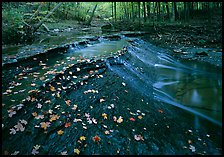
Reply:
x=54, y=117
x=102, y=100
x=104, y=115
x=96, y=138
x=19, y=127
x=74, y=107
x=138, y=137
x=45, y=125
x=67, y=124
x=12, y=131
x=139, y=117
x=76, y=151
x=39, y=105
x=120, y=120
x=82, y=138
x=68, y=102
x=52, y=88
x=60, y=132
x=160, y=111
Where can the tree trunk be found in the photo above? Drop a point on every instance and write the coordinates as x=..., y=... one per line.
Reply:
x=143, y=3
x=148, y=10
x=132, y=10
x=45, y=18
x=112, y=10
x=173, y=12
x=139, y=13
x=115, y=11
x=91, y=17
x=167, y=11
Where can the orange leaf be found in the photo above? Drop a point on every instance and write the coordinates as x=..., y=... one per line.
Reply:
x=96, y=138
x=52, y=88
x=67, y=125
x=160, y=111
x=132, y=119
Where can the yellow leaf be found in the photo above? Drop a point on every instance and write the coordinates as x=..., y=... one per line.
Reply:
x=54, y=117
x=44, y=125
x=76, y=151
x=60, y=132
x=104, y=115
x=139, y=117
x=82, y=138
x=52, y=88
x=34, y=114
x=120, y=120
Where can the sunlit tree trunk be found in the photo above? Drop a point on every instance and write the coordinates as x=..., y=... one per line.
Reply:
x=143, y=3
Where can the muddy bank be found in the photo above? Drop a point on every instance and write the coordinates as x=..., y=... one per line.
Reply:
x=106, y=106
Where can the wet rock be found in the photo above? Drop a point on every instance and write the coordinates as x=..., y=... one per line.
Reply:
x=203, y=53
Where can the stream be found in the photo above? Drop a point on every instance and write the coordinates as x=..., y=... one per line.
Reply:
x=155, y=80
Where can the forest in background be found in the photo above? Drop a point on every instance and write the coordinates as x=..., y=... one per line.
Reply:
x=21, y=20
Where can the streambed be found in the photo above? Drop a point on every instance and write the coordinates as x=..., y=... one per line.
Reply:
x=164, y=106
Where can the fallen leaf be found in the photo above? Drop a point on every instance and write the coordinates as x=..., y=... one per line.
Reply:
x=132, y=119
x=74, y=107
x=68, y=102
x=54, y=117
x=12, y=131
x=34, y=152
x=64, y=153
x=139, y=117
x=102, y=100
x=123, y=84
x=104, y=115
x=34, y=114
x=15, y=153
x=82, y=138
x=138, y=137
x=60, y=132
x=23, y=121
x=160, y=111
x=19, y=127
x=39, y=105
x=76, y=151
x=78, y=69
x=107, y=132
x=67, y=125
x=120, y=120
x=45, y=125
x=11, y=113
x=52, y=88
x=96, y=138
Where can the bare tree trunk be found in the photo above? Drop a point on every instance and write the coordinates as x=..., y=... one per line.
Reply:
x=167, y=10
x=148, y=9
x=112, y=11
x=173, y=12
x=45, y=18
x=143, y=3
x=115, y=11
x=90, y=20
x=139, y=13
